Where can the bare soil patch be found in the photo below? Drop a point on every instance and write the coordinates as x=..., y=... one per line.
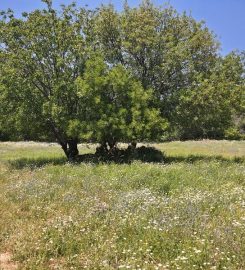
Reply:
x=6, y=262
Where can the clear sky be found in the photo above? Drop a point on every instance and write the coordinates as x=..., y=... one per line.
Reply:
x=225, y=17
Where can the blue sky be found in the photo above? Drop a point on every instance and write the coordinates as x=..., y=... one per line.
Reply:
x=225, y=17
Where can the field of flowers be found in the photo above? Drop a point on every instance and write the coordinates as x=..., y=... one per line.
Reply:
x=185, y=213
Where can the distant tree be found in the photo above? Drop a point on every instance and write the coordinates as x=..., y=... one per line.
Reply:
x=207, y=109
x=235, y=64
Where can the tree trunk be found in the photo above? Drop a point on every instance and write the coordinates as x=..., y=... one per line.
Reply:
x=102, y=150
x=72, y=151
x=131, y=149
x=133, y=145
x=69, y=146
x=64, y=147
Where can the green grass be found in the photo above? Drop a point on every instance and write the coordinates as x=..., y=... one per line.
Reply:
x=186, y=213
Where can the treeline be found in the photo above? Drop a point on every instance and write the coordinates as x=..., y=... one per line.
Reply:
x=142, y=74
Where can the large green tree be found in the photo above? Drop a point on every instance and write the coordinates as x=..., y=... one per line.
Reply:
x=108, y=76
x=164, y=49
x=178, y=57
x=50, y=87
x=42, y=54
x=118, y=108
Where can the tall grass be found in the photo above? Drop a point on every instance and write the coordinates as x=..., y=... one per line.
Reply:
x=186, y=213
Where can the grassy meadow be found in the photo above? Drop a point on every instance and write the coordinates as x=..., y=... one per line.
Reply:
x=185, y=213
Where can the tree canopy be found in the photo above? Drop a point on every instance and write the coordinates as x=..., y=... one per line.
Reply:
x=143, y=74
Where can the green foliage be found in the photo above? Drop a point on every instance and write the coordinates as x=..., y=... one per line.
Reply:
x=164, y=49
x=206, y=109
x=41, y=57
x=100, y=75
x=117, y=107
x=233, y=133
x=198, y=91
